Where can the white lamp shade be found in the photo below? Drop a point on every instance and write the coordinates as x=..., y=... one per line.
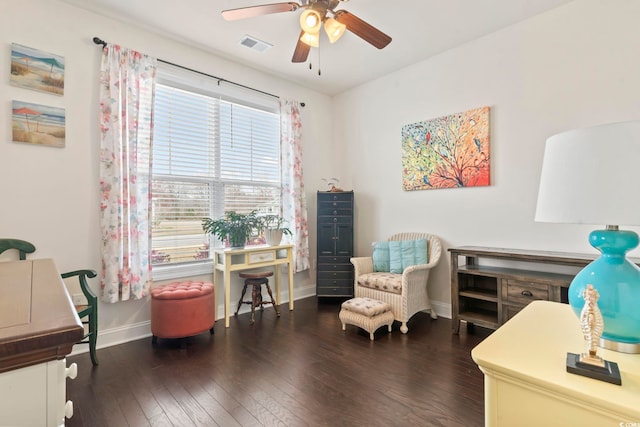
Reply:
x=591, y=176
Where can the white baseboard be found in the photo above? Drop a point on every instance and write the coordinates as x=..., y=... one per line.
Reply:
x=115, y=336
x=442, y=309
x=136, y=331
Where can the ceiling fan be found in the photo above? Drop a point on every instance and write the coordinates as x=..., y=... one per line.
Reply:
x=315, y=14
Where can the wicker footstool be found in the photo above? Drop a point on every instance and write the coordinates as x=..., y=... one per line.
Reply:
x=366, y=313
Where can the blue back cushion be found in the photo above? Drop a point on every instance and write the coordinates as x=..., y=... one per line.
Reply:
x=405, y=253
x=395, y=257
x=381, y=256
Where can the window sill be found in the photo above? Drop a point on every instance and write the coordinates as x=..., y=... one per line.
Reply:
x=168, y=272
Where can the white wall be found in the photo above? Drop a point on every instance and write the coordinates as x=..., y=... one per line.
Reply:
x=50, y=195
x=574, y=66
x=571, y=67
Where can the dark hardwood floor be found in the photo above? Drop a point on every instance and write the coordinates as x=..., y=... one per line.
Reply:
x=297, y=370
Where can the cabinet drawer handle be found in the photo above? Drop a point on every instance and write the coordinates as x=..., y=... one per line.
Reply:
x=335, y=212
x=68, y=409
x=526, y=294
x=71, y=371
x=335, y=219
x=335, y=197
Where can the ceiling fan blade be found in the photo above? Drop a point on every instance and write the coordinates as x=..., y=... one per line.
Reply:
x=362, y=29
x=302, y=50
x=265, y=9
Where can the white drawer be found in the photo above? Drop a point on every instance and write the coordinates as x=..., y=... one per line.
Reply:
x=36, y=395
x=263, y=256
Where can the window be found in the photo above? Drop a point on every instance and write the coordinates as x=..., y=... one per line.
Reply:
x=213, y=151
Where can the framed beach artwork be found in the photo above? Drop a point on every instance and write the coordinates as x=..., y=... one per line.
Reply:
x=37, y=70
x=38, y=124
x=447, y=152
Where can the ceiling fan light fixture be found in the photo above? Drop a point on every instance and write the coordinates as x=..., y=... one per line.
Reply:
x=310, y=39
x=310, y=21
x=334, y=29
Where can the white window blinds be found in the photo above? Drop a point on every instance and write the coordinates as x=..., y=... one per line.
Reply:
x=211, y=154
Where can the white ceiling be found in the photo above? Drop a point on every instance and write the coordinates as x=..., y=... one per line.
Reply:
x=419, y=28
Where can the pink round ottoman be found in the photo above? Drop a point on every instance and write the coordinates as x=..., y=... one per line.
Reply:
x=182, y=309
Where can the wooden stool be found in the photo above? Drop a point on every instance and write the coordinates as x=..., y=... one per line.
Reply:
x=256, y=279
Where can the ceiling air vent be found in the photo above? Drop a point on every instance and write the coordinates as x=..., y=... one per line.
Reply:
x=255, y=44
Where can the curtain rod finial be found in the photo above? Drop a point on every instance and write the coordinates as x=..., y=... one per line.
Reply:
x=98, y=40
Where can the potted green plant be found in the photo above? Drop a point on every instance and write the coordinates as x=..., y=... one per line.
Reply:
x=273, y=226
x=234, y=228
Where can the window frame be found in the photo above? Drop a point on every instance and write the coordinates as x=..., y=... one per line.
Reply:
x=178, y=78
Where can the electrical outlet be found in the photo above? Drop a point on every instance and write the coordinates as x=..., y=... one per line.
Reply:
x=78, y=299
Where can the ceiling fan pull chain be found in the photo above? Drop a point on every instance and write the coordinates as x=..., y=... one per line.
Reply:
x=319, y=70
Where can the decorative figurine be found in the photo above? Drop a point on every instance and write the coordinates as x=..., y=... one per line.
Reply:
x=332, y=182
x=589, y=364
x=592, y=326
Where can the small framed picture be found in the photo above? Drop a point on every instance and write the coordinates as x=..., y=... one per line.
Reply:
x=38, y=124
x=36, y=70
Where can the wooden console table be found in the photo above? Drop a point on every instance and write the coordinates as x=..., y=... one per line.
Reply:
x=489, y=296
x=228, y=260
x=38, y=327
x=526, y=383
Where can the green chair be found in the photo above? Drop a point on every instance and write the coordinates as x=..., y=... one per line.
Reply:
x=23, y=247
x=88, y=312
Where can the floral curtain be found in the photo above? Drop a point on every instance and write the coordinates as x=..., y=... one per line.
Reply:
x=127, y=82
x=294, y=203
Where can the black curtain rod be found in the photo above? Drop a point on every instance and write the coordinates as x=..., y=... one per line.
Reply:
x=98, y=40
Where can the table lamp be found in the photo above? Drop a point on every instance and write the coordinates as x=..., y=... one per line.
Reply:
x=590, y=176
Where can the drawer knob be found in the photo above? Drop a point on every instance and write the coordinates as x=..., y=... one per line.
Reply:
x=526, y=294
x=335, y=212
x=68, y=409
x=71, y=371
x=335, y=219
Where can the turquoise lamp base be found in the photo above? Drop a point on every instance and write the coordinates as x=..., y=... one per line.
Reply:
x=618, y=283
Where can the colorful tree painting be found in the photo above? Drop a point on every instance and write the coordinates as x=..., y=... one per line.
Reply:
x=447, y=152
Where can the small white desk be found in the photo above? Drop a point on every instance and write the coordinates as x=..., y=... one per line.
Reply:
x=525, y=378
x=250, y=257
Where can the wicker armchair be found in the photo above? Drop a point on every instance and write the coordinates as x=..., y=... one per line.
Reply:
x=413, y=296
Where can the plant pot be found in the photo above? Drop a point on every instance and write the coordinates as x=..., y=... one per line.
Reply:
x=273, y=237
x=236, y=242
